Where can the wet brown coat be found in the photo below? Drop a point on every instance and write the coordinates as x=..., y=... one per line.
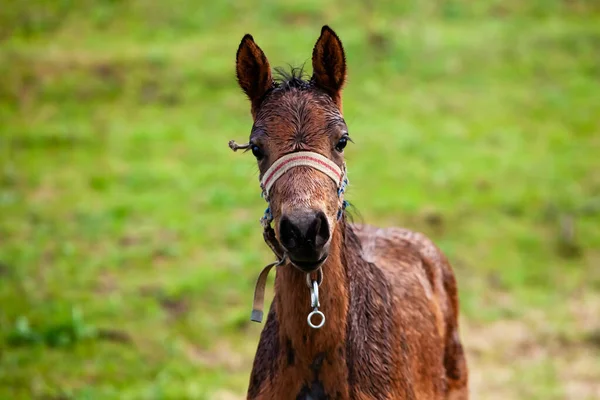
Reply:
x=389, y=295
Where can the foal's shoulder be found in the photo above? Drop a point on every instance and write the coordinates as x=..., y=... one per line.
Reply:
x=416, y=269
x=407, y=258
x=400, y=244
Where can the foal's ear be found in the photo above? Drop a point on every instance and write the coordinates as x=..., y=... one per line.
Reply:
x=329, y=64
x=253, y=71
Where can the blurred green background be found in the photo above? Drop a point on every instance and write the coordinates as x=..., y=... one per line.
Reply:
x=129, y=234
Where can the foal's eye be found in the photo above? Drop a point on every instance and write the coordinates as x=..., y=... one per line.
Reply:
x=258, y=153
x=341, y=144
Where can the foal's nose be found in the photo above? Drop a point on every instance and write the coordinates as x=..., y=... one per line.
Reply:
x=304, y=234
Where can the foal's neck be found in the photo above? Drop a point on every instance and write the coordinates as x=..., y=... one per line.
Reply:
x=292, y=305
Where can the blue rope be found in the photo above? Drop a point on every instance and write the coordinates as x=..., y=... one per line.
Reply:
x=267, y=217
x=342, y=209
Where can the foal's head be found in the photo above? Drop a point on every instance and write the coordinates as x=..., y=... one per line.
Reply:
x=292, y=115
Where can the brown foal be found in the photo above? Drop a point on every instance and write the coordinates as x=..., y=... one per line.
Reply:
x=389, y=295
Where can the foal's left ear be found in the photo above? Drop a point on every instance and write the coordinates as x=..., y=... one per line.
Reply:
x=329, y=64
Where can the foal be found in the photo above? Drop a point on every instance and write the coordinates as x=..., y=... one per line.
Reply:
x=388, y=295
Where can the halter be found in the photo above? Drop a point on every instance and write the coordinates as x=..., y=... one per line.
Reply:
x=308, y=159
x=276, y=171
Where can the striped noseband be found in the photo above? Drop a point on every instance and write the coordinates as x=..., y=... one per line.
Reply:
x=308, y=159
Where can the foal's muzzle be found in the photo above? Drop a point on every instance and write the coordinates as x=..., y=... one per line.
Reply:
x=305, y=235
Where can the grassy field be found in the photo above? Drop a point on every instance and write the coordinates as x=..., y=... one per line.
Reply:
x=129, y=234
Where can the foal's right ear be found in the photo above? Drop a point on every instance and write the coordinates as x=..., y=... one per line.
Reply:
x=253, y=71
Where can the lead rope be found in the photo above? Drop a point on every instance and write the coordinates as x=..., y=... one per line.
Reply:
x=259, y=291
x=279, y=167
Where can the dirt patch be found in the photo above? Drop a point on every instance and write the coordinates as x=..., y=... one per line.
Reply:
x=5, y=270
x=226, y=395
x=505, y=354
x=175, y=306
x=106, y=283
x=220, y=356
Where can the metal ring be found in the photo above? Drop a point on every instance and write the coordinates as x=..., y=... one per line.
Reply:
x=319, y=278
x=282, y=261
x=316, y=312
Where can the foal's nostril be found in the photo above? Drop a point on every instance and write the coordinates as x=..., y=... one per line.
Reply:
x=321, y=229
x=288, y=233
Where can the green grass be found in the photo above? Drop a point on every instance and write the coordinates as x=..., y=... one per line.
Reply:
x=129, y=235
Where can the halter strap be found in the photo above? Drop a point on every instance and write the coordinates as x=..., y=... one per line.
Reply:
x=306, y=158
x=259, y=290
